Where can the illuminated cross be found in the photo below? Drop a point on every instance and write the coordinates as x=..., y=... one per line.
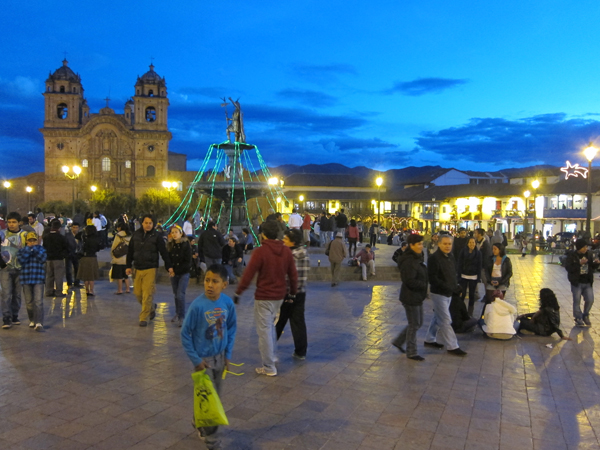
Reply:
x=574, y=170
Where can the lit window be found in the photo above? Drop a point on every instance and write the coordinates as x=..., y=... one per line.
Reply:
x=105, y=164
x=84, y=163
x=128, y=164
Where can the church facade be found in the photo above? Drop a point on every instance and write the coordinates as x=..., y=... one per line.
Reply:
x=126, y=152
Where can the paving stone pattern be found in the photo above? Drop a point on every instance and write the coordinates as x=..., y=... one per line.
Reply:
x=95, y=380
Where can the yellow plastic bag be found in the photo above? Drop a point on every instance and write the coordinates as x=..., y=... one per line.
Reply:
x=208, y=410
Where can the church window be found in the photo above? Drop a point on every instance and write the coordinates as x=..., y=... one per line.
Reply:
x=62, y=89
x=163, y=93
x=75, y=90
x=84, y=163
x=62, y=111
x=150, y=171
x=151, y=93
x=128, y=164
x=105, y=164
x=150, y=114
x=49, y=89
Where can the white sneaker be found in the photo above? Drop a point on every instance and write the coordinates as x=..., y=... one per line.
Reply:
x=39, y=327
x=263, y=371
x=31, y=324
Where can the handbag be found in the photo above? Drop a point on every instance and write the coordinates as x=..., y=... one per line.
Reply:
x=121, y=249
x=208, y=409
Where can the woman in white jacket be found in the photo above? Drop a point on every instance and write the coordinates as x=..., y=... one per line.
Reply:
x=499, y=318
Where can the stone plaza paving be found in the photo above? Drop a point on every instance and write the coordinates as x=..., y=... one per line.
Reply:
x=95, y=380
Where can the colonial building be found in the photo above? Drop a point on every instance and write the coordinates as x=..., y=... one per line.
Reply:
x=126, y=152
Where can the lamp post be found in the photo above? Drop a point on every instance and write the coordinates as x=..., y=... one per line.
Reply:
x=76, y=171
x=93, y=189
x=6, y=187
x=301, y=198
x=534, y=184
x=29, y=189
x=590, y=153
x=169, y=186
x=526, y=194
x=379, y=182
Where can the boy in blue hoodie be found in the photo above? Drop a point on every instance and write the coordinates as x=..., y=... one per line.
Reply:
x=208, y=335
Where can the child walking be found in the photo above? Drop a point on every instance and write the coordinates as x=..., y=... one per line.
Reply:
x=33, y=275
x=208, y=335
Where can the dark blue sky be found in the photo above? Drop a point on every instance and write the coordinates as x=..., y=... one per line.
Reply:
x=472, y=85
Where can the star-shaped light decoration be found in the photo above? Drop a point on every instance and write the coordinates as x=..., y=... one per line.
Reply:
x=574, y=170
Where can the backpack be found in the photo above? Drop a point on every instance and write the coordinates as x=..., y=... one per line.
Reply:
x=397, y=255
x=121, y=249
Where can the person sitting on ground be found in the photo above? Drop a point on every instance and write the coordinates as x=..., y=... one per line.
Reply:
x=462, y=322
x=498, y=318
x=367, y=259
x=248, y=240
x=546, y=320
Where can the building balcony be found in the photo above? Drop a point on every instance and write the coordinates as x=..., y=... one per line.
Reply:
x=426, y=216
x=575, y=214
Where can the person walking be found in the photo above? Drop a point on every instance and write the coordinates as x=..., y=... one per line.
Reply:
x=88, y=264
x=57, y=250
x=119, y=263
x=295, y=220
x=373, y=233
x=293, y=309
x=180, y=254
x=325, y=228
x=413, y=292
x=441, y=270
x=306, y=227
x=469, y=272
x=352, y=237
x=580, y=265
x=210, y=244
x=144, y=248
x=337, y=252
x=272, y=262
x=10, y=270
x=73, y=237
x=33, y=273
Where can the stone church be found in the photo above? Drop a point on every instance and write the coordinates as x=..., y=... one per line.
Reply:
x=126, y=152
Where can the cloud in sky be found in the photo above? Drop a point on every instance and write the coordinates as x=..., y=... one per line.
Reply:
x=308, y=97
x=322, y=73
x=423, y=86
x=551, y=138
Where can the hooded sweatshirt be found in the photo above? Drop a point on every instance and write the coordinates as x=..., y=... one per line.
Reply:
x=499, y=317
x=272, y=261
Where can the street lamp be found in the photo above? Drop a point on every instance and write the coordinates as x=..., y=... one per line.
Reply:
x=278, y=204
x=169, y=186
x=93, y=189
x=379, y=182
x=6, y=186
x=526, y=194
x=29, y=189
x=590, y=153
x=72, y=176
x=534, y=184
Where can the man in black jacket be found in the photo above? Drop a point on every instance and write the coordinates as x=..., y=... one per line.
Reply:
x=57, y=250
x=580, y=268
x=144, y=247
x=341, y=222
x=412, y=294
x=441, y=269
x=233, y=259
x=210, y=245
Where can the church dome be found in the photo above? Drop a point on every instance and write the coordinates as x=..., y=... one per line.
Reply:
x=65, y=73
x=151, y=77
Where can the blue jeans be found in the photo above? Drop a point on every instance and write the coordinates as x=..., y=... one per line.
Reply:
x=440, y=328
x=179, y=284
x=266, y=313
x=585, y=290
x=10, y=295
x=34, y=302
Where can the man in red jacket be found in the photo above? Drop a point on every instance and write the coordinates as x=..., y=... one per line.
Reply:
x=273, y=261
